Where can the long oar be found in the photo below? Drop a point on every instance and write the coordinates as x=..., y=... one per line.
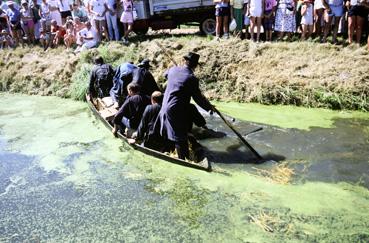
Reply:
x=237, y=133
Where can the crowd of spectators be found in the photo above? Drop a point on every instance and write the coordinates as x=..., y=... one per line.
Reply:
x=82, y=24
x=79, y=24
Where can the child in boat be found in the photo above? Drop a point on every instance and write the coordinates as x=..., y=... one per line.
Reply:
x=130, y=114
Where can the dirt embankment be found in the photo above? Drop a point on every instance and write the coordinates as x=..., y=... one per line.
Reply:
x=307, y=74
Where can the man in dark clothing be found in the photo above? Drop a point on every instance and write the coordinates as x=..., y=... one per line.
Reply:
x=101, y=78
x=130, y=114
x=174, y=115
x=123, y=77
x=146, y=130
x=144, y=78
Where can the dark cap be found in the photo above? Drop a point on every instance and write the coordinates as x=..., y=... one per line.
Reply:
x=144, y=63
x=193, y=58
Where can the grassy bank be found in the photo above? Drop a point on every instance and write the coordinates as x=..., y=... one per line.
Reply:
x=302, y=74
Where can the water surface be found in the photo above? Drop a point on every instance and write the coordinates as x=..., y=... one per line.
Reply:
x=63, y=177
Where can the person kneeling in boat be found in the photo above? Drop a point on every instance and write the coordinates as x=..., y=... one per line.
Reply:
x=101, y=78
x=146, y=130
x=123, y=76
x=174, y=115
x=130, y=114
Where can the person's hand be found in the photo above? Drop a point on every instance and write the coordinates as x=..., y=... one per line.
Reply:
x=134, y=135
x=131, y=140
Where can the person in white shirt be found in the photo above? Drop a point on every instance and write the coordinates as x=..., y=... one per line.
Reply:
x=88, y=37
x=54, y=11
x=98, y=9
x=111, y=19
x=65, y=8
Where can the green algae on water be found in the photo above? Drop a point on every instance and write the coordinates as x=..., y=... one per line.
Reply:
x=286, y=116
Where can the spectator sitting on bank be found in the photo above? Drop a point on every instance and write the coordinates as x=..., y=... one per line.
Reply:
x=87, y=37
x=6, y=41
x=44, y=38
x=79, y=12
x=27, y=22
x=127, y=19
x=70, y=36
x=57, y=33
x=222, y=12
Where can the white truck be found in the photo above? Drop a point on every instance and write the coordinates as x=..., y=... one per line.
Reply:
x=169, y=14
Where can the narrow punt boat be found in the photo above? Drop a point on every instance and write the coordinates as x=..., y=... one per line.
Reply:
x=105, y=113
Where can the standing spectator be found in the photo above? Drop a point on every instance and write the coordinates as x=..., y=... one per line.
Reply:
x=335, y=9
x=27, y=22
x=65, y=10
x=79, y=12
x=14, y=18
x=54, y=11
x=256, y=13
x=88, y=38
x=57, y=33
x=356, y=16
x=127, y=19
x=98, y=10
x=319, y=6
x=285, y=21
x=269, y=9
x=307, y=19
x=237, y=13
x=35, y=7
x=222, y=11
x=246, y=22
x=111, y=19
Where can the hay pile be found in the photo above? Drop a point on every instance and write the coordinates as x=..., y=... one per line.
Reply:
x=299, y=73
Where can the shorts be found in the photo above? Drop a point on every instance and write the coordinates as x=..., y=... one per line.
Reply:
x=29, y=24
x=336, y=11
x=358, y=10
x=268, y=22
x=66, y=14
x=222, y=12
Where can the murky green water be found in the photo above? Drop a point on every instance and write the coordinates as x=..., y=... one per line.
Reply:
x=63, y=177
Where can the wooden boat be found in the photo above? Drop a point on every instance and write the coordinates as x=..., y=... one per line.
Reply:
x=105, y=113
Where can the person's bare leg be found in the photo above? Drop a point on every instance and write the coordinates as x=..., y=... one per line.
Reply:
x=103, y=25
x=258, y=28
x=335, y=29
x=225, y=25
x=327, y=28
x=359, y=28
x=219, y=24
x=351, y=28
x=303, y=34
x=252, y=27
x=98, y=29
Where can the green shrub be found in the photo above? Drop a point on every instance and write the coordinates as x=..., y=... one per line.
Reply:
x=80, y=82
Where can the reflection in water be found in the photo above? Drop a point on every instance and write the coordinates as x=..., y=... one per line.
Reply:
x=63, y=178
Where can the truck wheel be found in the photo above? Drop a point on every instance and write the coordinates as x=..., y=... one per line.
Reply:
x=207, y=26
x=141, y=32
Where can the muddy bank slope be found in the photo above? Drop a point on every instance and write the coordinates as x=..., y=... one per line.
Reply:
x=304, y=74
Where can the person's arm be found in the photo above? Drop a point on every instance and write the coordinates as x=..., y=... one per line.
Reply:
x=91, y=86
x=144, y=124
x=198, y=96
x=303, y=10
x=119, y=116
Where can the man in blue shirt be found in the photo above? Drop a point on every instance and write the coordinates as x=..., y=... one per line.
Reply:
x=14, y=18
